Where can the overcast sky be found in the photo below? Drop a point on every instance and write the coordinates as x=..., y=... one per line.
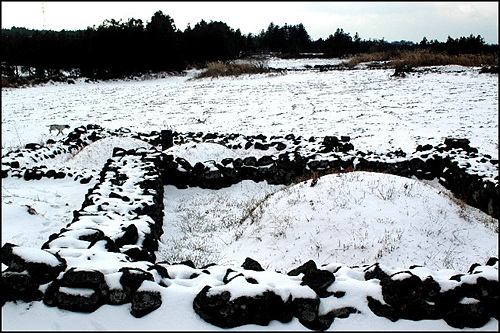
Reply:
x=392, y=21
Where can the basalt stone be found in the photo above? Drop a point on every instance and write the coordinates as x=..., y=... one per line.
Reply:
x=85, y=180
x=407, y=296
x=226, y=161
x=346, y=147
x=184, y=163
x=199, y=168
x=471, y=315
x=237, y=163
x=457, y=143
x=81, y=129
x=306, y=311
x=330, y=143
x=472, y=268
x=105, y=243
x=252, y=264
x=492, y=261
x=250, y=161
x=145, y=302
x=114, y=195
x=261, y=146
x=487, y=291
x=382, y=310
x=167, y=139
x=45, y=268
x=15, y=164
x=431, y=289
x=220, y=311
x=265, y=160
x=73, y=136
x=251, y=173
x=320, y=322
x=162, y=271
x=317, y=165
x=78, y=299
x=188, y=263
x=33, y=174
x=117, y=296
x=424, y=147
x=279, y=145
x=375, y=272
x=399, y=292
x=60, y=175
x=137, y=254
x=277, y=174
x=19, y=286
x=50, y=295
x=84, y=278
x=231, y=175
x=307, y=267
x=132, y=278
x=33, y=146
x=319, y=280
x=94, y=137
x=214, y=179
x=130, y=236
x=210, y=136
x=226, y=279
x=344, y=312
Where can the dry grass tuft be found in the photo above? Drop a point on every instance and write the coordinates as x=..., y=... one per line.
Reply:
x=219, y=68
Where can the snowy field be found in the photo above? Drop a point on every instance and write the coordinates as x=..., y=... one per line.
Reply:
x=352, y=219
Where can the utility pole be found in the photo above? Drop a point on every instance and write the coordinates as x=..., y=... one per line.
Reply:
x=44, y=25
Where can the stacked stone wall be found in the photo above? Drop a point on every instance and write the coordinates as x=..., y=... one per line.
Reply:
x=121, y=221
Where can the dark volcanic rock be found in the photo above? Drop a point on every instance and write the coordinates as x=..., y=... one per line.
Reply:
x=252, y=264
x=41, y=265
x=145, y=301
x=318, y=280
x=19, y=286
x=220, y=311
x=305, y=268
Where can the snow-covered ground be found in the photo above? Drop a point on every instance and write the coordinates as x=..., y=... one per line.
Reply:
x=351, y=219
x=378, y=111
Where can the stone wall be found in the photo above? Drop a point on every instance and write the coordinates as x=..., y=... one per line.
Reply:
x=458, y=167
x=121, y=220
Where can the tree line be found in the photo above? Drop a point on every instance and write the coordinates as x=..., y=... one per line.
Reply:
x=121, y=48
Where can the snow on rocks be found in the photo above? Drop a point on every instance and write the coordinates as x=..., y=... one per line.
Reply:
x=123, y=213
x=106, y=255
x=60, y=159
x=410, y=294
x=28, y=269
x=471, y=176
x=118, y=225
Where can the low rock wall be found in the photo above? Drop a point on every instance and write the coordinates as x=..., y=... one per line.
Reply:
x=120, y=223
x=121, y=219
x=471, y=177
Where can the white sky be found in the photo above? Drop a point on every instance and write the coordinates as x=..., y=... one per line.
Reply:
x=392, y=21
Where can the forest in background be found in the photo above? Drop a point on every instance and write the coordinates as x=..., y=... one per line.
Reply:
x=117, y=48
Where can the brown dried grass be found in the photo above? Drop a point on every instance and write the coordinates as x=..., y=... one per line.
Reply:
x=423, y=58
x=220, y=68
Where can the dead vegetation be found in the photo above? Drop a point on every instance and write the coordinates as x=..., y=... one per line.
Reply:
x=221, y=68
x=422, y=58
